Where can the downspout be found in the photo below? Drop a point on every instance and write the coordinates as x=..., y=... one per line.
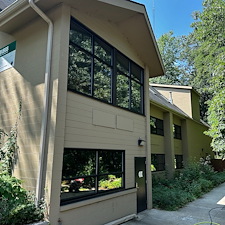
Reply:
x=43, y=138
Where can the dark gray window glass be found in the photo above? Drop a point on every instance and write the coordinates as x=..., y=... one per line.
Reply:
x=122, y=64
x=136, y=72
x=79, y=71
x=103, y=51
x=102, y=81
x=136, y=96
x=88, y=173
x=81, y=37
x=98, y=70
x=177, y=132
x=157, y=162
x=179, y=162
x=129, y=94
x=158, y=126
x=122, y=91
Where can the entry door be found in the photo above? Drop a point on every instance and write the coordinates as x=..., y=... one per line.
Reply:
x=140, y=179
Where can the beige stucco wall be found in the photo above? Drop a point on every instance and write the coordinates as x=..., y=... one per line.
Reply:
x=14, y=88
x=157, y=141
x=195, y=106
x=180, y=97
x=25, y=82
x=198, y=143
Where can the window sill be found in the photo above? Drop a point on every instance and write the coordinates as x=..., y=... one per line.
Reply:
x=96, y=200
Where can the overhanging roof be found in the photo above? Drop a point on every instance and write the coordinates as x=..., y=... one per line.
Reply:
x=130, y=18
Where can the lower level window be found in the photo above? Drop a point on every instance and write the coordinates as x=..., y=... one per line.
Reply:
x=158, y=162
x=179, y=162
x=88, y=173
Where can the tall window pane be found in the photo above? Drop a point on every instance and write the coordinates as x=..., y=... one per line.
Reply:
x=79, y=72
x=102, y=81
x=122, y=91
x=81, y=37
x=110, y=162
x=122, y=64
x=135, y=96
x=136, y=72
x=103, y=51
x=78, y=174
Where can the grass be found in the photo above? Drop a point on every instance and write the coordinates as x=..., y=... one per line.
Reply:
x=187, y=185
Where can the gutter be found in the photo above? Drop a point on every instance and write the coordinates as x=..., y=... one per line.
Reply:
x=43, y=139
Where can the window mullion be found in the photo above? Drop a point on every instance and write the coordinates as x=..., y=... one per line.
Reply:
x=92, y=66
x=97, y=172
x=129, y=77
x=113, y=81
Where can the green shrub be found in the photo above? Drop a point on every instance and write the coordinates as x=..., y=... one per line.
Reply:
x=170, y=199
x=187, y=185
x=111, y=183
x=17, y=206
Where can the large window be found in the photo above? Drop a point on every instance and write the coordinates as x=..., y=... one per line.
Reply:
x=99, y=70
x=157, y=162
x=156, y=126
x=87, y=173
x=177, y=131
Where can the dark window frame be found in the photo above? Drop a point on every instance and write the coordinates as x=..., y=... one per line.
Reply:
x=159, y=126
x=177, y=132
x=96, y=176
x=114, y=72
x=160, y=165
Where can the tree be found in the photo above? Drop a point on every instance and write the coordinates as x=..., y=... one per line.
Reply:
x=170, y=49
x=207, y=50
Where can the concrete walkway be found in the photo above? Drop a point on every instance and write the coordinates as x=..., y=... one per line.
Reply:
x=211, y=204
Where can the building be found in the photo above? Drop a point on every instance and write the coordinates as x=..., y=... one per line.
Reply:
x=85, y=104
x=177, y=135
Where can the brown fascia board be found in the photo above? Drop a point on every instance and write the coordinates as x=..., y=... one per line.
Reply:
x=137, y=28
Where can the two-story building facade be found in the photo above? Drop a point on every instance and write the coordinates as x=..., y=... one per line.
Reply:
x=81, y=70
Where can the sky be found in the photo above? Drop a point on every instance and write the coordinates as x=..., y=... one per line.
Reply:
x=171, y=15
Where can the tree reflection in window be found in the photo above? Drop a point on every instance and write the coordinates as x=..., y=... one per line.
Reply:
x=99, y=70
x=79, y=71
x=90, y=172
x=102, y=81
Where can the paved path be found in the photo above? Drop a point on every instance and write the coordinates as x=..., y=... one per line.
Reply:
x=212, y=203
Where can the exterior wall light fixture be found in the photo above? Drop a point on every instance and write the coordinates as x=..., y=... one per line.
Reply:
x=141, y=142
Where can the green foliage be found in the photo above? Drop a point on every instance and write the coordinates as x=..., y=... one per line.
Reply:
x=216, y=120
x=111, y=183
x=17, y=206
x=169, y=47
x=9, y=147
x=191, y=183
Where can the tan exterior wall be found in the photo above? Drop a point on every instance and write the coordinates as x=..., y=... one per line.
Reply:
x=25, y=83
x=156, y=112
x=101, y=210
x=198, y=143
x=180, y=97
x=14, y=88
x=195, y=106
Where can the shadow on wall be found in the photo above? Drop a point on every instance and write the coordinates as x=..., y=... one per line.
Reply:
x=14, y=88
